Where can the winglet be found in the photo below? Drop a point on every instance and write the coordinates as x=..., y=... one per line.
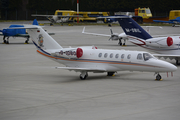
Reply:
x=83, y=30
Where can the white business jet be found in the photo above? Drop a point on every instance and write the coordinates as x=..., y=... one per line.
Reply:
x=167, y=47
x=113, y=36
x=90, y=59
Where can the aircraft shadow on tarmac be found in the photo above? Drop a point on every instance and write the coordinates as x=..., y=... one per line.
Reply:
x=119, y=76
x=17, y=43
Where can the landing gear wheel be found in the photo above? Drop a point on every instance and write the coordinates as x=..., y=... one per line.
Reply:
x=124, y=44
x=110, y=73
x=177, y=62
x=158, y=77
x=4, y=41
x=120, y=43
x=26, y=42
x=83, y=77
x=7, y=42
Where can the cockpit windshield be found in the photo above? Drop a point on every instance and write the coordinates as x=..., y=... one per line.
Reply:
x=147, y=56
x=148, y=11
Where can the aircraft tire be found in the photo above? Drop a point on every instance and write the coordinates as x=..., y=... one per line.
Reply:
x=177, y=62
x=7, y=42
x=158, y=77
x=110, y=73
x=26, y=42
x=83, y=78
x=4, y=41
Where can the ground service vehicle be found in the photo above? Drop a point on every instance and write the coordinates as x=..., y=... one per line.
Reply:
x=143, y=15
x=86, y=16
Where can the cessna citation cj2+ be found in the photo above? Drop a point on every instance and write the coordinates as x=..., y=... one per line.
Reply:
x=167, y=47
x=90, y=59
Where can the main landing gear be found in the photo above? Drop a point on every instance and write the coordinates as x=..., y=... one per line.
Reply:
x=27, y=41
x=83, y=75
x=5, y=41
x=120, y=42
x=177, y=62
x=110, y=73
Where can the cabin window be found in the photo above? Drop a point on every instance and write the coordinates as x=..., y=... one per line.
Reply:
x=139, y=56
x=105, y=55
x=122, y=56
x=117, y=56
x=111, y=55
x=147, y=56
x=100, y=54
x=129, y=56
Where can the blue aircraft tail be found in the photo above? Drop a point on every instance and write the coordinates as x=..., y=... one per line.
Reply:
x=35, y=22
x=131, y=28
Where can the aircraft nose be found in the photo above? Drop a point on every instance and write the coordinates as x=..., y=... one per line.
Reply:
x=170, y=67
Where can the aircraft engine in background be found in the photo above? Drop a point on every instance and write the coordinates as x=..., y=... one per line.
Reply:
x=162, y=42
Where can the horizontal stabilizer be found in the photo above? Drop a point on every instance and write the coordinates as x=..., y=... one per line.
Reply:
x=94, y=33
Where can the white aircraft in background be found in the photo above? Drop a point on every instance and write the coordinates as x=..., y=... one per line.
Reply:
x=167, y=47
x=90, y=59
x=58, y=18
x=117, y=36
x=113, y=36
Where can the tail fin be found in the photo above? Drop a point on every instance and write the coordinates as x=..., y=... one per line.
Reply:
x=35, y=22
x=131, y=28
x=41, y=38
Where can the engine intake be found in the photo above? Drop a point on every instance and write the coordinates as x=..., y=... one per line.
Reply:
x=169, y=41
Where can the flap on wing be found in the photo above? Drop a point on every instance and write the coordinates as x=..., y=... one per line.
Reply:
x=81, y=69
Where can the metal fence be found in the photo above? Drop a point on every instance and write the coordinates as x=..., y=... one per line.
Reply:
x=26, y=15
x=22, y=15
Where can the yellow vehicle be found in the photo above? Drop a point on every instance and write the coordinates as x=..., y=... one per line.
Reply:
x=86, y=16
x=143, y=12
x=173, y=14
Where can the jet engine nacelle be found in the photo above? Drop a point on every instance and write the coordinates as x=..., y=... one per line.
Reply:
x=160, y=42
x=70, y=53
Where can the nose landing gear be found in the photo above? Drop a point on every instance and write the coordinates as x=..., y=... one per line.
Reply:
x=158, y=77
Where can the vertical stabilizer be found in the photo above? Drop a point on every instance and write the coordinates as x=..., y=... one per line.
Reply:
x=131, y=28
x=41, y=38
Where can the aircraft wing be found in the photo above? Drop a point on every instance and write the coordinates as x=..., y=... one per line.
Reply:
x=95, y=33
x=163, y=21
x=82, y=69
x=167, y=56
x=56, y=15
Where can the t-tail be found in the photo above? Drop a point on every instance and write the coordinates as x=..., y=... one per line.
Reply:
x=132, y=29
x=41, y=38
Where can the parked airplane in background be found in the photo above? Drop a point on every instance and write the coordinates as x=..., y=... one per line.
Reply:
x=15, y=32
x=168, y=47
x=113, y=36
x=90, y=59
x=173, y=21
x=58, y=18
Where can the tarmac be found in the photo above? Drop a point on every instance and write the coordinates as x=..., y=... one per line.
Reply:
x=32, y=89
